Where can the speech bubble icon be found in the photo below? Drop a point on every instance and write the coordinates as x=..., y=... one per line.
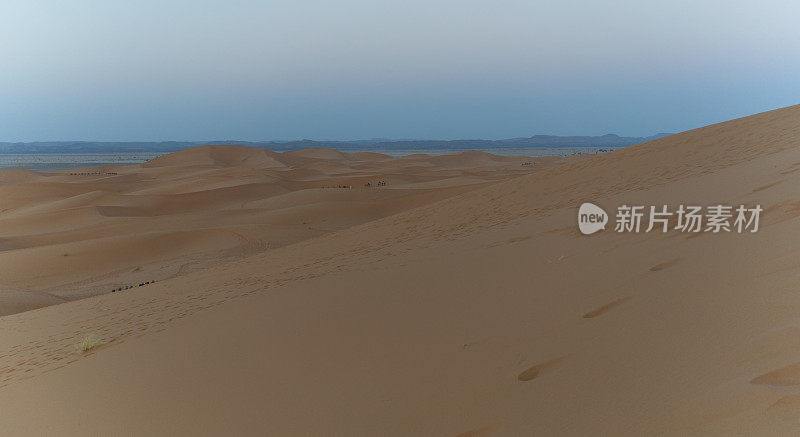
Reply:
x=591, y=218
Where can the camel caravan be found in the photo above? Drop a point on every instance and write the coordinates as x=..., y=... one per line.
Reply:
x=128, y=287
x=367, y=185
x=95, y=174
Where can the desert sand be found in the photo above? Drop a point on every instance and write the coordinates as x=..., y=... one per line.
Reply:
x=483, y=312
x=79, y=233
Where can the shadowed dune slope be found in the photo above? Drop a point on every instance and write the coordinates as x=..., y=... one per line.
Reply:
x=483, y=313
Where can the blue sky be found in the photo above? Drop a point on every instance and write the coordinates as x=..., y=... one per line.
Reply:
x=257, y=70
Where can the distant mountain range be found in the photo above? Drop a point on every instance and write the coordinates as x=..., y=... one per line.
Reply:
x=377, y=145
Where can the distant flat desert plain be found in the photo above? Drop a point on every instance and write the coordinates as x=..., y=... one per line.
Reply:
x=458, y=299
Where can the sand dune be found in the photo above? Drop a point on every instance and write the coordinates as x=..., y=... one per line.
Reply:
x=482, y=312
x=70, y=235
x=220, y=156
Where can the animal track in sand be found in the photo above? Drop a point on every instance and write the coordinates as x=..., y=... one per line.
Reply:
x=786, y=409
x=764, y=187
x=520, y=239
x=664, y=265
x=790, y=171
x=543, y=368
x=787, y=404
x=605, y=308
x=785, y=376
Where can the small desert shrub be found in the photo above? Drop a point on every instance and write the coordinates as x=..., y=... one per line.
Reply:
x=137, y=269
x=89, y=341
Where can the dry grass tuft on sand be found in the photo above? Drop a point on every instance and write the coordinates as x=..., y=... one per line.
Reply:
x=89, y=342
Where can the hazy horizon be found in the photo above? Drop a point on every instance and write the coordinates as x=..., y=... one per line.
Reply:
x=322, y=140
x=184, y=70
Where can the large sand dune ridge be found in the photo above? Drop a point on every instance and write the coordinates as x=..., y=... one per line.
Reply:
x=73, y=234
x=484, y=312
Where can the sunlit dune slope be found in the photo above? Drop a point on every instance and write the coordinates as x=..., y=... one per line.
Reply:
x=78, y=233
x=484, y=313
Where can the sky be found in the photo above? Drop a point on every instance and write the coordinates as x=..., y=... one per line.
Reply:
x=155, y=70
